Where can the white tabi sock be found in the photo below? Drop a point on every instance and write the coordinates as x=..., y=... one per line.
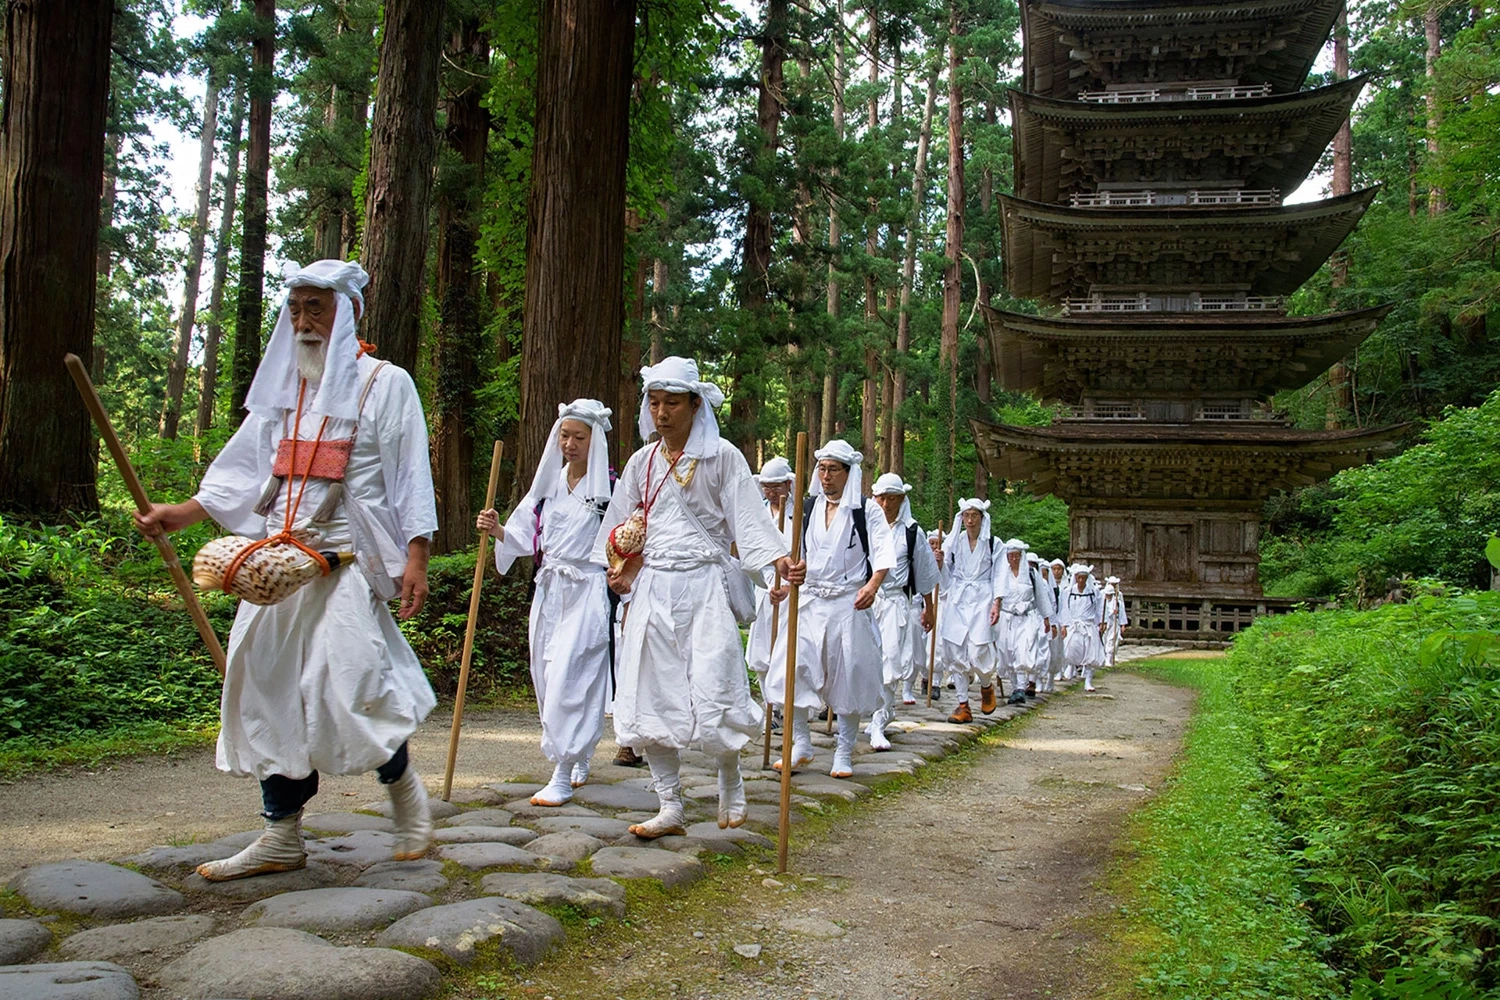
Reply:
x=882, y=718
x=732, y=806
x=843, y=753
x=412, y=815
x=908, y=696
x=1088, y=678
x=580, y=774
x=559, y=790
x=278, y=849
x=961, y=686
x=669, y=818
x=802, y=746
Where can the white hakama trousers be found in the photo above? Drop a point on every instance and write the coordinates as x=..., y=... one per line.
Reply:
x=758, y=647
x=1055, y=659
x=1022, y=645
x=570, y=657
x=893, y=621
x=323, y=681
x=1082, y=648
x=968, y=663
x=681, y=675
x=838, y=654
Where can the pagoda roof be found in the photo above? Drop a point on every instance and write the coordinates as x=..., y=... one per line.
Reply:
x=1052, y=252
x=1062, y=359
x=1063, y=146
x=1073, y=45
x=1185, y=463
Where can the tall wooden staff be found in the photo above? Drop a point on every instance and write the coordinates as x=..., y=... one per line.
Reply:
x=765, y=759
x=789, y=702
x=143, y=504
x=932, y=644
x=463, y=666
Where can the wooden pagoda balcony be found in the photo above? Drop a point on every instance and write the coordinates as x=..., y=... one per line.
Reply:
x=1166, y=92
x=1156, y=302
x=1191, y=198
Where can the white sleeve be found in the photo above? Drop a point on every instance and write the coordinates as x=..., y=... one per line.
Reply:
x=236, y=478
x=405, y=458
x=882, y=545
x=753, y=533
x=924, y=565
x=519, y=538
x=626, y=498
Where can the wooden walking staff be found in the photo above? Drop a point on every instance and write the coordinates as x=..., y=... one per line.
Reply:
x=932, y=644
x=95, y=407
x=765, y=759
x=789, y=700
x=468, y=655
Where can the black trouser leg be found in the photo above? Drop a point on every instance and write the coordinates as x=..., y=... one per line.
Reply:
x=283, y=796
x=391, y=771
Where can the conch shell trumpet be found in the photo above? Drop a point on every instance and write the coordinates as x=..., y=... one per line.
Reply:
x=626, y=540
x=269, y=575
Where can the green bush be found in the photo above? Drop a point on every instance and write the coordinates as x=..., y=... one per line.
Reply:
x=1380, y=731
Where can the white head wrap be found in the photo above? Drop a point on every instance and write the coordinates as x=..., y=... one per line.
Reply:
x=1016, y=543
x=969, y=503
x=1058, y=562
x=1109, y=588
x=892, y=483
x=274, y=389
x=549, y=480
x=1073, y=572
x=839, y=450
x=681, y=375
x=1111, y=579
x=1032, y=557
x=776, y=470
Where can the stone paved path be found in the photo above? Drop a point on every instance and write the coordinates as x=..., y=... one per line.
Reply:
x=355, y=926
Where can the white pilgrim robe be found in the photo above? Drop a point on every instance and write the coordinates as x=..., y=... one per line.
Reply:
x=1115, y=619
x=1054, y=638
x=964, y=630
x=896, y=613
x=570, y=623
x=325, y=680
x=681, y=676
x=838, y=648
x=758, y=645
x=1025, y=604
x=1081, y=613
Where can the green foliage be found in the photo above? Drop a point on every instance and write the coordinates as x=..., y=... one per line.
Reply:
x=500, y=666
x=1213, y=907
x=1378, y=731
x=1426, y=512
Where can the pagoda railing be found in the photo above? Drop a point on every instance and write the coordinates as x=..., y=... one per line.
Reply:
x=1148, y=199
x=1169, y=411
x=1194, y=302
x=1151, y=95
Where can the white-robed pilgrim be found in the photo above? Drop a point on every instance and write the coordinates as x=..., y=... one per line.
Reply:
x=1025, y=607
x=1081, y=614
x=898, y=605
x=1115, y=617
x=969, y=575
x=758, y=646
x=570, y=611
x=681, y=675
x=325, y=680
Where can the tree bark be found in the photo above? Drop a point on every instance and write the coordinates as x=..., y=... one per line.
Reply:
x=630, y=363
x=247, y=320
x=984, y=373
x=908, y=274
x=403, y=146
x=1436, y=198
x=574, y=316
x=829, y=408
x=177, y=374
x=1341, y=396
x=56, y=62
x=953, y=273
x=659, y=278
x=105, y=256
x=208, y=375
x=460, y=335
x=869, y=400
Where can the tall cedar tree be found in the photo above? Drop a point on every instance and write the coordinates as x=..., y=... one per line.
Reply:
x=251, y=306
x=56, y=59
x=574, y=317
x=403, y=146
x=208, y=375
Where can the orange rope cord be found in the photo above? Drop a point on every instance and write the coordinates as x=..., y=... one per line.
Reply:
x=285, y=536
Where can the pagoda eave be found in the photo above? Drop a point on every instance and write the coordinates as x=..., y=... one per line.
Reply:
x=1062, y=359
x=1258, y=41
x=1260, y=142
x=1117, y=461
x=1053, y=252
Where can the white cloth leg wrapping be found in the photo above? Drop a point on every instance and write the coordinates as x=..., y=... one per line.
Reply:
x=559, y=790
x=843, y=753
x=732, y=806
x=412, y=814
x=278, y=849
x=882, y=718
x=669, y=819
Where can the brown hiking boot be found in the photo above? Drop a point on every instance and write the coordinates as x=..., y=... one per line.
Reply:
x=629, y=758
x=987, y=699
x=962, y=714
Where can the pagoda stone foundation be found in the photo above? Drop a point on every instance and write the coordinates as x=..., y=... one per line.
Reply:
x=1153, y=145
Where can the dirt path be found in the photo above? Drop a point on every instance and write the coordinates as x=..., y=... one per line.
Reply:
x=980, y=885
x=118, y=808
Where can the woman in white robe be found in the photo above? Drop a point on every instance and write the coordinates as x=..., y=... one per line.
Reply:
x=775, y=482
x=966, y=622
x=1055, y=574
x=1082, y=617
x=1025, y=615
x=556, y=523
x=838, y=659
x=681, y=675
x=910, y=581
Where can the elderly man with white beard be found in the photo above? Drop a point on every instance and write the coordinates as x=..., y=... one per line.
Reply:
x=848, y=550
x=333, y=455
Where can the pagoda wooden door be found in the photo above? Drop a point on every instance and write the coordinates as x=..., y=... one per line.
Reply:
x=1166, y=553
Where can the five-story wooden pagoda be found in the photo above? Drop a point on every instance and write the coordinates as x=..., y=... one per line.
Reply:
x=1153, y=144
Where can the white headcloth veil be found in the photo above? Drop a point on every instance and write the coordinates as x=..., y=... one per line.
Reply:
x=776, y=470
x=892, y=483
x=839, y=450
x=550, y=480
x=968, y=503
x=681, y=375
x=274, y=389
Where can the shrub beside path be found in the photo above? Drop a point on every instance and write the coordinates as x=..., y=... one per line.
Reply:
x=101, y=914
